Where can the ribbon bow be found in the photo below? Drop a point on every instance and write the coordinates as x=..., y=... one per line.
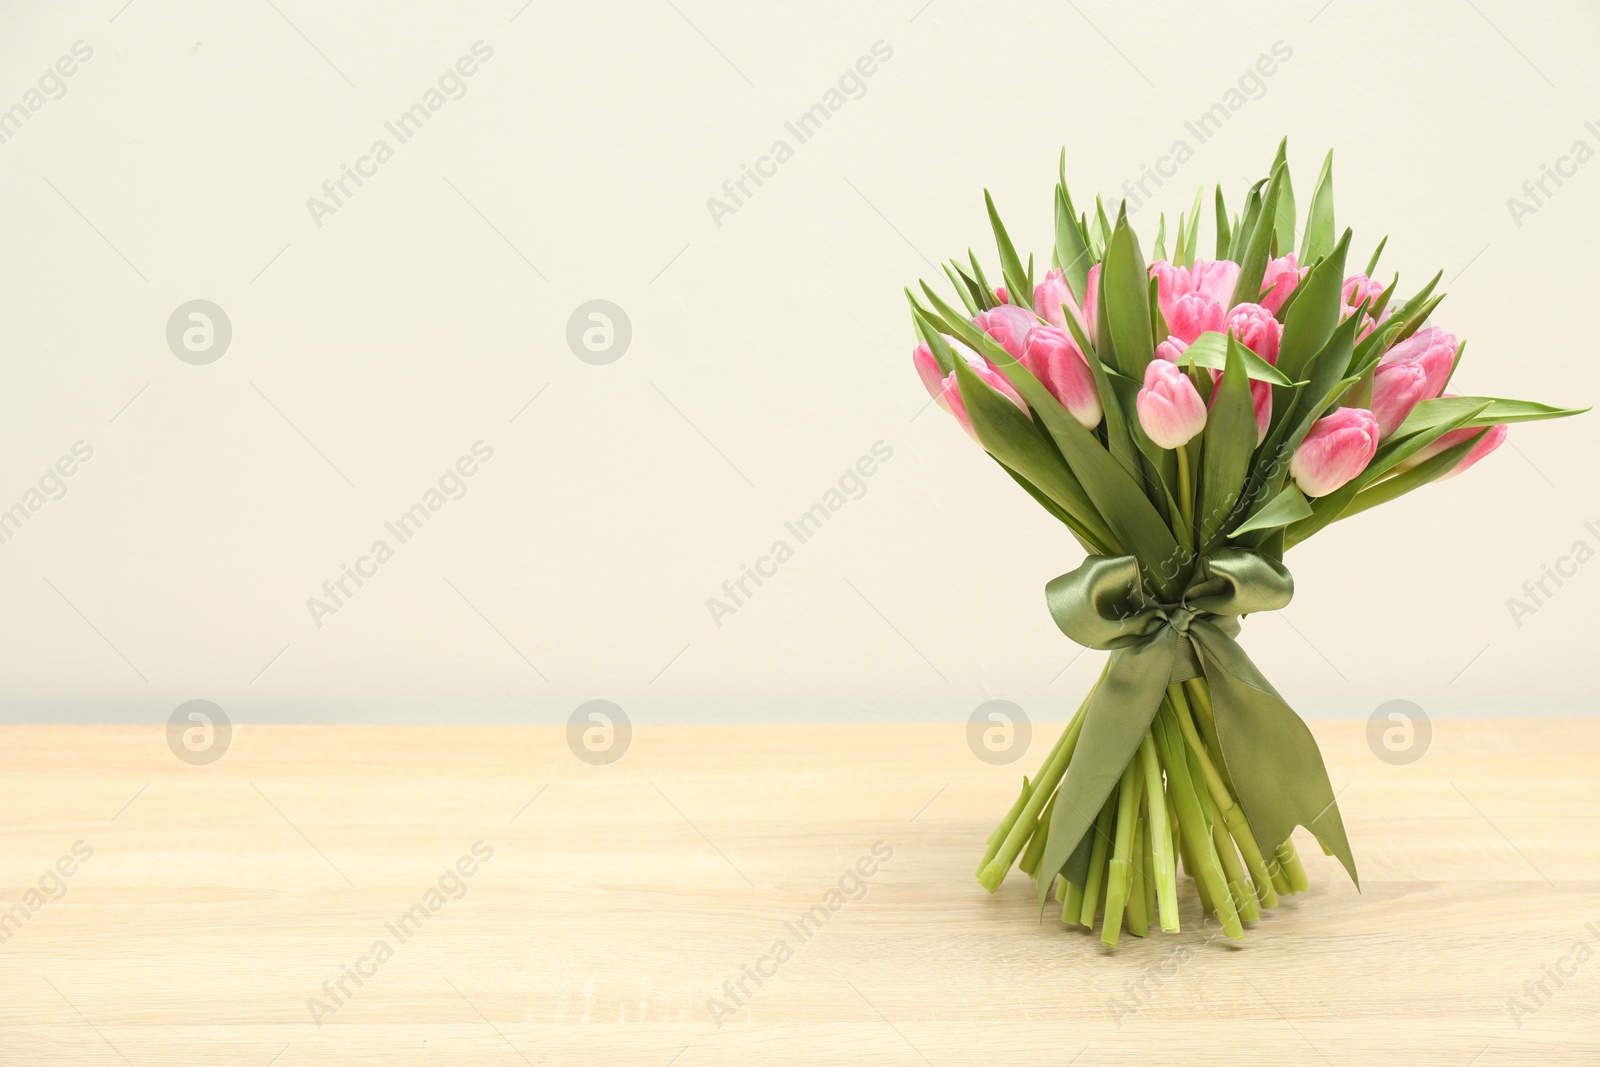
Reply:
x=1267, y=751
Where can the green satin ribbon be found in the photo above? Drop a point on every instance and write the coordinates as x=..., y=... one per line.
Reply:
x=1267, y=750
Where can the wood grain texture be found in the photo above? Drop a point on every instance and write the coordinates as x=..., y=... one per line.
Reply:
x=219, y=899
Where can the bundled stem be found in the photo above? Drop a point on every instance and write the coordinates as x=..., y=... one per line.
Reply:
x=1173, y=799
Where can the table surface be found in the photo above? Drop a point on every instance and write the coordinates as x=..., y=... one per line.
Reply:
x=251, y=912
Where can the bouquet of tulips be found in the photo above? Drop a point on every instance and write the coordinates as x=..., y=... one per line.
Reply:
x=1189, y=420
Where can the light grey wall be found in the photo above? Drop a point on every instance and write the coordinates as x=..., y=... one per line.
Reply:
x=374, y=345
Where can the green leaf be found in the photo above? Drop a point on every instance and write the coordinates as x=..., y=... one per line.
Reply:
x=1288, y=506
x=1102, y=225
x=1017, y=441
x=1396, y=450
x=1415, y=478
x=1072, y=248
x=1017, y=287
x=1230, y=439
x=1136, y=523
x=1336, y=505
x=1318, y=238
x=985, y=291
x=1223, y=240
x=1124, y=282
x=1244, y=225
x=1116, y=499
x=1210, y=349
x=928, y=330
x=1192, y=238
x=1489, y=411
x=1283, y=224
x=1372, y=264
x=1159, y=249
x=1253, y=267
x=959, y=282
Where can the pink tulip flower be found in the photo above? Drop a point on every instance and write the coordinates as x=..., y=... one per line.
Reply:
x=1396, y=389
x=1053, y=301
x=1359, y=287
x=1009, y=325
x=1283, y=276
x=1192, y=315
x=1001, y=295
x=928, y=370
x=1170, y=409
x=1432, y=349
x=1058, y=363
x=1486, y=444
x=1491, y=440
x=1256, y=329
x=1091, y=304
x=1338, y=448
x=1209, y=277
x=991, y=377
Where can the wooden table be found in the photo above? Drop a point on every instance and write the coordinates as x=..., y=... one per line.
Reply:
x=619, y=900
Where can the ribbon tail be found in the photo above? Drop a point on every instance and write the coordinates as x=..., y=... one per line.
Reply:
x=1118, y=715
x=1269, y=751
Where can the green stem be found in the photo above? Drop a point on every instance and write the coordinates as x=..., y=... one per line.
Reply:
x=1121, y=867
x=1138, y=899
x=1164, y=866
x=1071, y=896
x=1293, y=869
x=998, y=835
x=1232, y=815
x=1185, y=488
x=992, y=873
x=1041, y=833
x=1207, y=870
x=1099, y=856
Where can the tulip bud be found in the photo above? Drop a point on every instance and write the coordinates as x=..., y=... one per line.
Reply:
x=1091, y=303
x=1359, y=287
x=1001, y=295
x=1492, y=439
x=1053, y=295
x=991, y=377
x=1432, y=349
x=1192, y=315
x=1486, y=444
x=1396, y=389
x=928, y=370
x=1055, y=359
x=1009, y=325
x=1256, y=329
x=1282, y=277
x=1213, y=278
x=1338, y=448
x=1261, y=401
x=1170, y=410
